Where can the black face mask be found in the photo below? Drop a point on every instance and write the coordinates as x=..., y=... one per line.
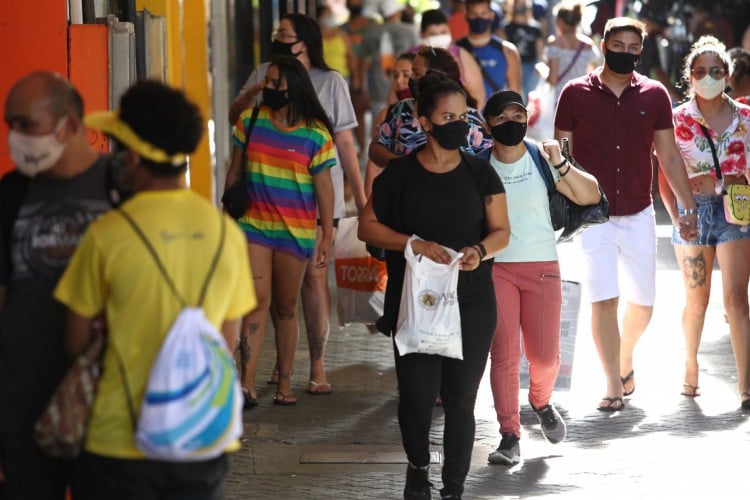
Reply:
x=275, y=99
x=509, y=133
x=622, y=63
x=283, y=49
x=355, y=10
x=451, y=135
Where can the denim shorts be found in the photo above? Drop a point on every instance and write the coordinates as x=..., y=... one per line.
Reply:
x=713, y=226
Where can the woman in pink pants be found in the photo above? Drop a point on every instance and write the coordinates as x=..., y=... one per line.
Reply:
x=526, y=274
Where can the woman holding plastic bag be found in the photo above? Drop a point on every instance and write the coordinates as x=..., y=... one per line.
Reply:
x=409, y=198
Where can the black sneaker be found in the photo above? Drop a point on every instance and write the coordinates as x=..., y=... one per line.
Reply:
x=509, y=451
x=445, y=495
x=417, y=483
x=553, y=425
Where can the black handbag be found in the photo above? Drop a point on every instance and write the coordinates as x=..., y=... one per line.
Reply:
x=236, y=199
x=566, y=215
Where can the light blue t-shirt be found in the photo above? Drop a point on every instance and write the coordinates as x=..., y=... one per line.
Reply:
x=532, y=238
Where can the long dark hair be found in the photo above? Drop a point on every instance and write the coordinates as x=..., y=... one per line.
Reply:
x=308, y=31
x=304, y=105
x=443, y=61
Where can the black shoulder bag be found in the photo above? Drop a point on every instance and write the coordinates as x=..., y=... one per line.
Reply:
x=566, y=215
x=236, y=198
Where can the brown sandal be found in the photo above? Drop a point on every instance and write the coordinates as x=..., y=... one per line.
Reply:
x=690, y=391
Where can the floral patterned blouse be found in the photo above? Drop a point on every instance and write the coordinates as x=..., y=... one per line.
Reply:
x=401, y=132
x=732, y=145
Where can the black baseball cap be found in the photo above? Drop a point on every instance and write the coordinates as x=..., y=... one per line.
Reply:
x=501, y=100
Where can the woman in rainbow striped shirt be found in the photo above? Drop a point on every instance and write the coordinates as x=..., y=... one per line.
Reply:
x=286, y=153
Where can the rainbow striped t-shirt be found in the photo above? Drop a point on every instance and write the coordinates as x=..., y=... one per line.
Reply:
x=279, y=170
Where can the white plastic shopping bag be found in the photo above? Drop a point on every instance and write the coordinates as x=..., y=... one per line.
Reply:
x=541, y=108
x=429, y=320
x=360, y=278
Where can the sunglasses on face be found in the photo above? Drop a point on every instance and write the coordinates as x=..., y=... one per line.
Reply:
x=715, y=72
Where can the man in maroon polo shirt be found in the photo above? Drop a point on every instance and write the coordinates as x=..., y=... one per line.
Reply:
x=612, y=117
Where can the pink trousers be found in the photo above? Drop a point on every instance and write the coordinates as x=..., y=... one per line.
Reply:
x=529, y=298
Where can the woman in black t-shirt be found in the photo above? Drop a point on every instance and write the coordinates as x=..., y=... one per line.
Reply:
x=449, y=200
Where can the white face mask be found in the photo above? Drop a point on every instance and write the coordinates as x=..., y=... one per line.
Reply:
x=35, y=153
x=708, y=88
x=439, y=41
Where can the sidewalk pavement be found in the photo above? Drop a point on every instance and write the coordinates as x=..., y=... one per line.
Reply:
x=347, y=445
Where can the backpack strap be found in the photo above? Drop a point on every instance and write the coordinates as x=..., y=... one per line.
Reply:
x=495, y=44
x=13, y=189
x=142, y=236
x=541, y=166
x=163, y=270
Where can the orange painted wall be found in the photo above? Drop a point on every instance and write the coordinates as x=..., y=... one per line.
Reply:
x=88, y=71
x=30, y=39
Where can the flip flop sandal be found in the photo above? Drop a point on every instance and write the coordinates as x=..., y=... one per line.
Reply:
x=627, y=378
x=248, y=401
x=282, y=399
x=690, y=391
x=319, y=389
x=745, y=397
x=613, y=404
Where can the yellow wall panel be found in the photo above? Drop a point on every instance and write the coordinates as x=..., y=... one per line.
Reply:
x=187, y=68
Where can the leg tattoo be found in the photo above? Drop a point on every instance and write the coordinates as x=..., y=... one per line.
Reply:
x=695, y=270
x=317, y=342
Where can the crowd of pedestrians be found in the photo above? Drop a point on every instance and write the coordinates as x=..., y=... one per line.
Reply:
x=449, y=102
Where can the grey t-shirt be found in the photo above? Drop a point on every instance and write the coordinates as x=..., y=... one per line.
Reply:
x=333, y=94
x=50, y=223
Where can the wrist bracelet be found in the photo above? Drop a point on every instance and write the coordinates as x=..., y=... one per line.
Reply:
x=687, y=211
x=563, y=174
x=560, y=165
x=476, y=249
x=482, y=250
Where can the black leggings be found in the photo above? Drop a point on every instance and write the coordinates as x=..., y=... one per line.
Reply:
x=421, y=377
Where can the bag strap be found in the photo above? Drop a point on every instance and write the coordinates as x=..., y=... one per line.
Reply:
x=716, y=157
x=142, y=236
x=572, y=62
x=541, y=166
x=251, y=125
x=163, y=270
x=464, y=42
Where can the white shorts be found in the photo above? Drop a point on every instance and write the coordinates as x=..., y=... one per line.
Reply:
x=620, y=258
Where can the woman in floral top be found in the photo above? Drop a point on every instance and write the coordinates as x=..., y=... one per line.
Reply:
x=400, y=133
x=711, y=112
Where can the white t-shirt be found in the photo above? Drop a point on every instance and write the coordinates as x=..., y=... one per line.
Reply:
x=532, y=238
x=333, y=94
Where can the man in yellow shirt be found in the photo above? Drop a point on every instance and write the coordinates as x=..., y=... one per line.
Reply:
x=113, y=272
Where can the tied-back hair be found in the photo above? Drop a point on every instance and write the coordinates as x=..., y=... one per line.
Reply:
x=304, y=105
x=442, y=61
x=570, y=12
x=308, y=31
x=433, y=86
x=706, y=44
